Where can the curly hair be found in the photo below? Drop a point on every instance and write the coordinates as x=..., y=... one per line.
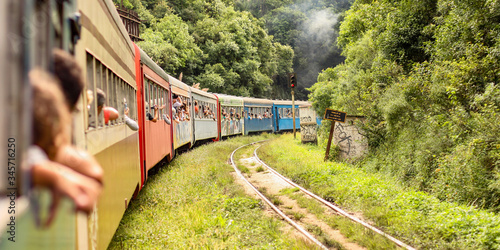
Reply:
x=69, y=73
x=51, y=118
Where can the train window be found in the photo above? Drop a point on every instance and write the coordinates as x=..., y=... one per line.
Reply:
x=134, y=106
x=90, y=95
x=161, y=102
x=41, y=27
x=167, y=105
x=146, y=96
x=105, y=87
x=110, y=97
x=150, y=101
x=99, y=87
x=155, y=87
x=123, y=97
x=164, y=103
x=104, y=84
x=130, y=101
x=113, y=97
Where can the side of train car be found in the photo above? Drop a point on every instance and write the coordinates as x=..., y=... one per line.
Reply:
x=129, y=78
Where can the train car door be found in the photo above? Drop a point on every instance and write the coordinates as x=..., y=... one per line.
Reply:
x=276, y=119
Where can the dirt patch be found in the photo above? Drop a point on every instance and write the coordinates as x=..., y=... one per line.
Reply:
x=271, y=185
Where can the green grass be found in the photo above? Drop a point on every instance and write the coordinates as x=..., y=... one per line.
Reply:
x=271, y=197
x=415, y=217
x=296, y=215
x=323, y=238
x=193, y=203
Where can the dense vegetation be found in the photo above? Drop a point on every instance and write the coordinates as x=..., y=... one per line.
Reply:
x=242, y=47
x=211, y=43
x=425, y=74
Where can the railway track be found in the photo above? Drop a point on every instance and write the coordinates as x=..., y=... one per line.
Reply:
x=334, y=209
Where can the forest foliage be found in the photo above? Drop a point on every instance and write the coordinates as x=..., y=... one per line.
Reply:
x=242, y=47
x=211, y=43
x=425, y=75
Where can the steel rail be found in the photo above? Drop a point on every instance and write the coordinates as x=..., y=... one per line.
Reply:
x=337, y=209
x=276, y=209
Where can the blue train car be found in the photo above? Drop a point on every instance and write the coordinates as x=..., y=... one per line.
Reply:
x=258, y=115
x=283, y=116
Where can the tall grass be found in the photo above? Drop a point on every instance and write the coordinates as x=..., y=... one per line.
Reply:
x=194, y=203
x=416, y=217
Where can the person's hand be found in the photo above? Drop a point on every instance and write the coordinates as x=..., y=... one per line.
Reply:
x=126, y=111
x=63, y=181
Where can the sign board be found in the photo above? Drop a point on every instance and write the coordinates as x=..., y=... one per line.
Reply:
x=335, y=115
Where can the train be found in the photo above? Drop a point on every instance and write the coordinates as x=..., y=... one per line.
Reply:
x=171, y=115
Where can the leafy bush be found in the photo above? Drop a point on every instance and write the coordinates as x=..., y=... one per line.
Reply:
x=425, y=75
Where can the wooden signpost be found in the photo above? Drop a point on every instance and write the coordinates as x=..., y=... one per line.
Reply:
x=334, y=116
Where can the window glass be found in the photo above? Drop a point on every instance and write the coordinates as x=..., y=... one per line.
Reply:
x=155, y=94
x=123, y=98
x=146, y=96
x=167, y=108
x=99, y=87
x=90, y=95
x=162, y=102
x=113, y=97
x=131, y=104
x=134, y=106
x=151, y=97
x=110, y=95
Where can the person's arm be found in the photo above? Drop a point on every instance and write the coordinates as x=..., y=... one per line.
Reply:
x=129, y=122
x=63, y=181
x=79, y=161
x=167, y=119
x=155, y=119
x=83, y=188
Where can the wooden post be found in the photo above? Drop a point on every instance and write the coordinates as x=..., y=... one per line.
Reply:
x=293, y=111
x=329, y=140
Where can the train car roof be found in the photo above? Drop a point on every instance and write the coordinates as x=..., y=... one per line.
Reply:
x=177, y=84
x=146, y=60
x=251, y=100
x=202, y=93
x=303, y=103
x=110, y=6
x=289, y=102
x=230, y=100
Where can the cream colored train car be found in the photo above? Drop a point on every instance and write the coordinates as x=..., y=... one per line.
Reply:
x=107, y=55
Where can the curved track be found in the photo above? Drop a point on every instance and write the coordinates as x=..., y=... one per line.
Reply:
x=276, y=209
x=328, y=204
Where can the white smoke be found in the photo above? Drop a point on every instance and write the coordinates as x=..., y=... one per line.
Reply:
x=320, y=26
x=317, y=44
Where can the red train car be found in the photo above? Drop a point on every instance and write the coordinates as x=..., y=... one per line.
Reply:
x=155, y=111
